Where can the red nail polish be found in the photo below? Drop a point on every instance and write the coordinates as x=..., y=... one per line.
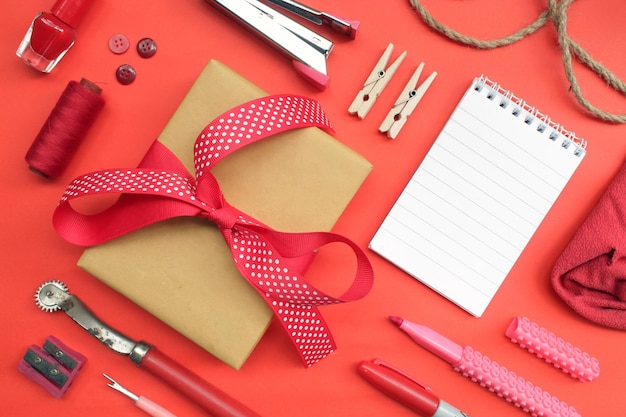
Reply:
x=52, y=34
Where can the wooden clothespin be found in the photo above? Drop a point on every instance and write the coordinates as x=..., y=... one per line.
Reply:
x=375, y=83
x=406, y=103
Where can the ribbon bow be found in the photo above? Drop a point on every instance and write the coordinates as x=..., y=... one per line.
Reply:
x=272, y=261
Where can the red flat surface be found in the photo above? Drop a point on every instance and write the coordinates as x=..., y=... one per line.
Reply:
x=272, y=381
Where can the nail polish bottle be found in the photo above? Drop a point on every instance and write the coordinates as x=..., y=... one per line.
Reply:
x=52, y=34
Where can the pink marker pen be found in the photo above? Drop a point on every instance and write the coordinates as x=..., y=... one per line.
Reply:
x=487, y=373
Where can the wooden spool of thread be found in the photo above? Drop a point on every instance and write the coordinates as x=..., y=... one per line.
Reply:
x=65, y=128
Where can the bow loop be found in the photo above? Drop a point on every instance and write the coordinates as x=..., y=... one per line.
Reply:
x=208, y=192
x=271, y=261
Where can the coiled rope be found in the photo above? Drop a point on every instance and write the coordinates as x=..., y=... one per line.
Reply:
x=557, y=13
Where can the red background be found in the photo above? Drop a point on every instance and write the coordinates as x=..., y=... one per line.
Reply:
x=272, y=381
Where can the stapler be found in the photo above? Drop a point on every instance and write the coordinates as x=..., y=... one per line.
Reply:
x=307, y=49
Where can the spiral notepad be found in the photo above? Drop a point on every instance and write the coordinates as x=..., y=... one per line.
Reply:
x=475, y=201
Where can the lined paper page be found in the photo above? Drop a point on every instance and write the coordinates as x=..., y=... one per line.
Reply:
x=477, y=198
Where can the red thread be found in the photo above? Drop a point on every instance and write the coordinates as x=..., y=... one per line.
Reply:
x=65, y=128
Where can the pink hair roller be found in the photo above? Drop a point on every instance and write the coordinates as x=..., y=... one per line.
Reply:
x=553, y=349
x=510, y=386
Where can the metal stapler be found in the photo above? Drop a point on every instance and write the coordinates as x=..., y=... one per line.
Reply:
x=307, y=49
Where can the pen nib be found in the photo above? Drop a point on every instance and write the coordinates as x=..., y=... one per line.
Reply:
x=396, y=320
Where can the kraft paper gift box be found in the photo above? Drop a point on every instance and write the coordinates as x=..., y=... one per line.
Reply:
x=181, y=270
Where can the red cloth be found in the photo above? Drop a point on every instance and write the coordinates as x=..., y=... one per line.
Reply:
x=590, y=274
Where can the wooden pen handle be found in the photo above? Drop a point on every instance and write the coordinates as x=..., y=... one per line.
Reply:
x=208, y=397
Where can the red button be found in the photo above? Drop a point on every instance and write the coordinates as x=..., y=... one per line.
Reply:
x=118, y=44
x=125, y=74
x=146, y=47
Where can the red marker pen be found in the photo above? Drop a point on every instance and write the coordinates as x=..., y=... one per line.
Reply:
x=406, y=390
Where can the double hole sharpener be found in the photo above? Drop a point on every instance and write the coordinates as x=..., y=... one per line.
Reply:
x=54, y=366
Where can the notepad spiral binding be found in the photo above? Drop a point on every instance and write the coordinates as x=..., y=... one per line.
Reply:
x=510, y=386
x=553, y=349
x=532, y=116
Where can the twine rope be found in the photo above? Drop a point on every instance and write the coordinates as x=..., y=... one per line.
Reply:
x=557, y=13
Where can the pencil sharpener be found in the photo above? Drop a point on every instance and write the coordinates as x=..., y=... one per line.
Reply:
x=54, y=366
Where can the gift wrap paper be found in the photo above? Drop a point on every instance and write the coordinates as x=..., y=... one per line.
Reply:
x=181, y=270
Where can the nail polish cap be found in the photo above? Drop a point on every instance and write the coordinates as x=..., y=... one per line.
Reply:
x=71, y=11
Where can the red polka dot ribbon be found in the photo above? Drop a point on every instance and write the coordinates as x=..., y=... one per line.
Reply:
x=272, y=261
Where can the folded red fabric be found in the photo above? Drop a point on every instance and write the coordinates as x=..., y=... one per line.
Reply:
x=590, y=274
